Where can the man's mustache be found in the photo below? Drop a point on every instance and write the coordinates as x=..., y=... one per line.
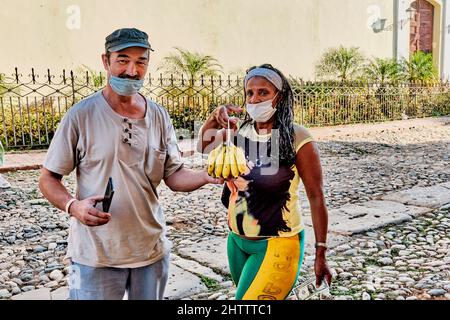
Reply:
x=126, y=76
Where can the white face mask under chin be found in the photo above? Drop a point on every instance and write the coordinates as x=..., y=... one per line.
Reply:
x=261, y=112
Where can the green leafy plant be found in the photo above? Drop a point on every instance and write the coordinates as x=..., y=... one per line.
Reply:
x=5, y=85
x=211, y=284
x=30, y=125
x=343, y=64
x=97, y=78
x=190, y=64
x=88, y=80
x=419, y=68
x=2, y=85
x=382, y=70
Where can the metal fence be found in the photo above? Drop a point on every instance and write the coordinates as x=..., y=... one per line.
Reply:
x=32, y=105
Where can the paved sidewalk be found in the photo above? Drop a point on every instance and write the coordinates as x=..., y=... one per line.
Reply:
x=30, y=160
x=339, y=131
x=26, y=160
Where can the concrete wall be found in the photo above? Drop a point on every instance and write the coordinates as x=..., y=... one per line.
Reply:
x=290, y=34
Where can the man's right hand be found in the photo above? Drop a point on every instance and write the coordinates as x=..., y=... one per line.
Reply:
x=85, y=212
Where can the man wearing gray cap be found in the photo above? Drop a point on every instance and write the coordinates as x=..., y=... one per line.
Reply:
x=117, y=133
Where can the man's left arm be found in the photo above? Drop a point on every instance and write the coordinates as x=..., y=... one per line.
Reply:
x=187, y=180
x=176, y=176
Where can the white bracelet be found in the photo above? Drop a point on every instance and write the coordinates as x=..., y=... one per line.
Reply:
x=68, y=204
x=321, y=244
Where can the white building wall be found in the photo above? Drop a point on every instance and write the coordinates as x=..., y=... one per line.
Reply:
x=290, y=34
x=446, y=41
x=402, y=29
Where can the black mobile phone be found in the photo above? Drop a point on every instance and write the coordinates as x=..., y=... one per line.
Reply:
x=109, y=192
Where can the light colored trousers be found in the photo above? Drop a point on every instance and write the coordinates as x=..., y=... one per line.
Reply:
x=145, y=283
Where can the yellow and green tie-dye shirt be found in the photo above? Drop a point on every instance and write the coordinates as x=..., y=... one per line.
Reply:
x=265, y=202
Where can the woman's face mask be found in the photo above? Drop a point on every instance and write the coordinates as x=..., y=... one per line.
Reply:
x=263, y=111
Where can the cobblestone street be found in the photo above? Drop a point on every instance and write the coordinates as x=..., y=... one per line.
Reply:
x=408, y=259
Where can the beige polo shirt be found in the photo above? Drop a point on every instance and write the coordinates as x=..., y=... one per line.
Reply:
x=137, y=154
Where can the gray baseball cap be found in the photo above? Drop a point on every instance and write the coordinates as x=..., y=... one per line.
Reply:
x=125, y=38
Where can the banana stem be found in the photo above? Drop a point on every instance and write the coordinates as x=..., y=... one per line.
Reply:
x=228, y=134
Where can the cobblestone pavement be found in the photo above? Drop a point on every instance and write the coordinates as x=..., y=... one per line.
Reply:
x=405, y=261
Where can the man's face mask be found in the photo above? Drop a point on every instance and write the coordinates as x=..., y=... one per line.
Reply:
x=263, y=111
x=123, y=86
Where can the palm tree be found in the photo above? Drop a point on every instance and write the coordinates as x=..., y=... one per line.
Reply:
x=417, y=70
x=383, y=70
x=190, y=64
x=341, y=63
x=419, y=67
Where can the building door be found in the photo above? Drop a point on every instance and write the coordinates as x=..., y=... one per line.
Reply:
x=421, y=37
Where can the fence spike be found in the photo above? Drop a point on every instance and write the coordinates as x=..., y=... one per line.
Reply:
x=17, y=75
x=72, y=80
x=49, y=76
x=33, y=78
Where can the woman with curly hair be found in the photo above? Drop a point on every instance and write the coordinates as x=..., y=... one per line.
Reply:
x=266, y=240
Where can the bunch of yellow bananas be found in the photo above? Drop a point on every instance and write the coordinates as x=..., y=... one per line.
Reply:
x=227, y=161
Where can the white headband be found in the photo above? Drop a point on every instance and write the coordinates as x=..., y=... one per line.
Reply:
x=270, y=75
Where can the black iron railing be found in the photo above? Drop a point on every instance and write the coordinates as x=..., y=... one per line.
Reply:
x=31, y=106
